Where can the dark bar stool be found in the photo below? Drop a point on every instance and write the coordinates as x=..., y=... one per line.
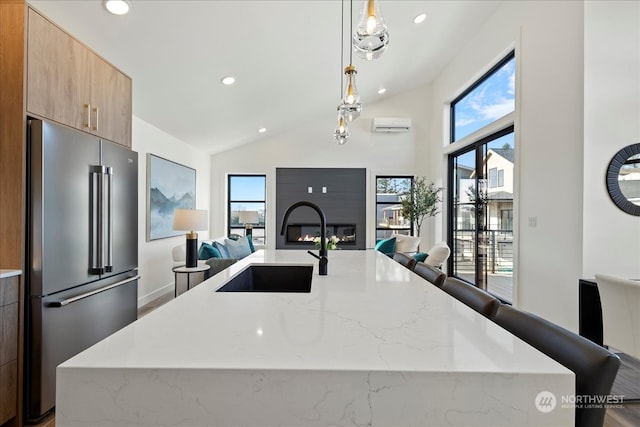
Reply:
x=430, y=274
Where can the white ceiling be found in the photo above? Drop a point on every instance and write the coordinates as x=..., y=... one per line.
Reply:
x=285, y=55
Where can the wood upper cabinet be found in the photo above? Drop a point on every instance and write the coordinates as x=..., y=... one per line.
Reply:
x=110, y=102
x=56, y=86
x=70, y=84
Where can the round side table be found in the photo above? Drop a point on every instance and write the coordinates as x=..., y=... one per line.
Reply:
x=188, y=271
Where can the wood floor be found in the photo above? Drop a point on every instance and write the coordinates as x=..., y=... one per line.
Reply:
x=627, y=383
x=146, y=309
x=627, y=416
x=498, y=284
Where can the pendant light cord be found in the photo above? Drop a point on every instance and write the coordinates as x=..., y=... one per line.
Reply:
x=350, y=33
x=341, y=48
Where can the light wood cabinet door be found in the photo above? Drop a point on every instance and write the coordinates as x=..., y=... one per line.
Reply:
x=110, y=102
x=70, y=84
x=57, y=86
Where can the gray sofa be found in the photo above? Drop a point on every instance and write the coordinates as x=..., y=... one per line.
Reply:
x=217, y=265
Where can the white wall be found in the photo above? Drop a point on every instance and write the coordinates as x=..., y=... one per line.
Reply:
x=611, y=122
x=311, y=145
x=578, y=102
x=548, y=37
x=154, y=257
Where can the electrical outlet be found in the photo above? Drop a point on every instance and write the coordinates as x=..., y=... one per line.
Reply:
x=533, y=221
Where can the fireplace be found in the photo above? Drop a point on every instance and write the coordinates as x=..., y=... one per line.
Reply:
x=305, y=233
x=339, y=192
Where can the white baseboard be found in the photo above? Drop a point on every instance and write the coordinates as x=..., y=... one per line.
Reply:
x=151, y=296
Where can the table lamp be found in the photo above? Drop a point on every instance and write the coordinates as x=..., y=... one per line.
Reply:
x=191, y=220
x=248, y=218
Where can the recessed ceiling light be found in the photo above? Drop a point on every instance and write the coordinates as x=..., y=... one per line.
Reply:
x=117, y=7
x=228, y=80
x=420, y=18
x=381, y=90
x=262, y=130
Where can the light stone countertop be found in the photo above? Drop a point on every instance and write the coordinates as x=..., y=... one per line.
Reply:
x=372, y=342
x=5, y=273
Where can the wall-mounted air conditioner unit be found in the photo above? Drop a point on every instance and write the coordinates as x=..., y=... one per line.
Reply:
x=392, y=124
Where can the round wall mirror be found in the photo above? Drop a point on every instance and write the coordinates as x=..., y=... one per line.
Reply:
x=623, y=179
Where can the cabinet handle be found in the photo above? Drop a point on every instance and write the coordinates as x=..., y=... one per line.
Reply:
x=87, y=122
x=97, y=113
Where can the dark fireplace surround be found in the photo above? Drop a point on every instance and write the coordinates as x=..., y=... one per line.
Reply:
x=339, y=192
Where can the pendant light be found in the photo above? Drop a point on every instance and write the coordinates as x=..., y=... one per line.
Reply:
x=371, y=37
x=341, y=133
x=351, y=105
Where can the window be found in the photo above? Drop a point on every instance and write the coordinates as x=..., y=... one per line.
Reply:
x=506, y=219
x=493, y=178
x=390, y=190
x=481, y=213
x=247, y=196
x=490, y=98
x=481, y=190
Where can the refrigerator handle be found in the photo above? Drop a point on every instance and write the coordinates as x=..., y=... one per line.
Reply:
x=109, y=264
x=97, y=219
x=91, y=293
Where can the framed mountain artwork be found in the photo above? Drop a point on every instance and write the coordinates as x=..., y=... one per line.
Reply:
x=170, y=186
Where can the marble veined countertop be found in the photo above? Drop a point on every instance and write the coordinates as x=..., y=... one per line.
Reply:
x=372, y=343
x=5, y=273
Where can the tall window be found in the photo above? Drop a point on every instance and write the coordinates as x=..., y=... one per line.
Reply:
x=390, y=190
x=485, y=101
x=247, y=205
x=481, y=181
x=481, y=226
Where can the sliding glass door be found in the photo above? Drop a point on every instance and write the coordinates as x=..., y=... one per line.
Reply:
x=481, y=202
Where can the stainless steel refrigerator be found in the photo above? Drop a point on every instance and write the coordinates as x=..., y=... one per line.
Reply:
x=82, y=250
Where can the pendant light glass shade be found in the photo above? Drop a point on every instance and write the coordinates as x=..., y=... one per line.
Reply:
x=351, y=105
x=371, y=37
x=341, y=134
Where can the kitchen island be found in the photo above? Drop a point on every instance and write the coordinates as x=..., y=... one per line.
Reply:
x=371, y=344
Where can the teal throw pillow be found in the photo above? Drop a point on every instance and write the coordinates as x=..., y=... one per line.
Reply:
x=236, y=237
x=420, y=256
x=238, y=249
x=222, y=248
x=207, y=251
x=386, y=246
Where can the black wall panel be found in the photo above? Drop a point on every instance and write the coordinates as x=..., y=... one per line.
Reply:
x=344, y=202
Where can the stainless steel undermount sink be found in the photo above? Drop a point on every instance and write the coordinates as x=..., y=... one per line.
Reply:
x=271, y=278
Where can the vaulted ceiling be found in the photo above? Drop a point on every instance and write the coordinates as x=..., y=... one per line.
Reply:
x=284, y=54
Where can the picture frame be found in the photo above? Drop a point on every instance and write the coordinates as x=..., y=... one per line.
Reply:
x=170, y=186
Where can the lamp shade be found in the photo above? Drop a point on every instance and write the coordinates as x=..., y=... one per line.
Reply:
x=248, y=217
x=190, y=219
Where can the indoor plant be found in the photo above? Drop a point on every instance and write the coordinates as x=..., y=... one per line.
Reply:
x=420, y=202
x=332, y=242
